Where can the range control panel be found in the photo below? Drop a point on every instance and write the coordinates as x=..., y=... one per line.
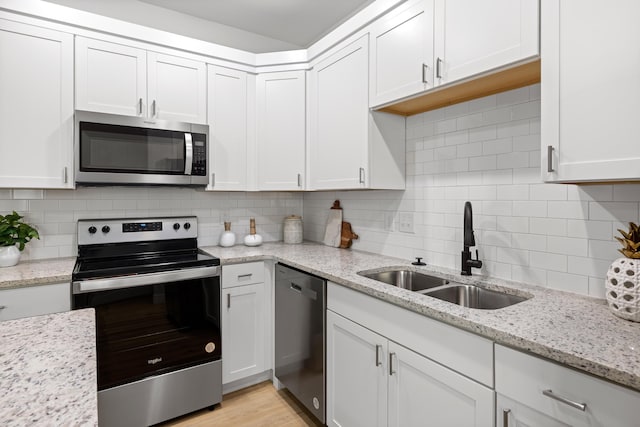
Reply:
x=120, y=230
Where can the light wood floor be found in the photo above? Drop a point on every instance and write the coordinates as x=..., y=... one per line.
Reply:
x=256, y=406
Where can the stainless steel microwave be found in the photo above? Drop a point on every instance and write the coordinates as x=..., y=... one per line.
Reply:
x=122, y=150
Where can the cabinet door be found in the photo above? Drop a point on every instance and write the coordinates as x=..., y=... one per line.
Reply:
x=340, y=114
x=243, y=346
x=110, y=78
x=422, y=392
x=227, y=94
x=36, y=107
x=402, y=54
x=281, y=116
x=590, y=103
x=177, y=88
x=34, y=301
x=356, y=375
x=513, y=414
x=476, y=36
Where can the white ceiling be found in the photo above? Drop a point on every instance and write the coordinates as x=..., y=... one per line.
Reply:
x=251, y=25
x=299, y=22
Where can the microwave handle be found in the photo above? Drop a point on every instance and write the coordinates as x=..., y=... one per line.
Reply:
x=188, y=153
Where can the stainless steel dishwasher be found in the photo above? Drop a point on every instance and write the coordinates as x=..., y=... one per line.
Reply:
x=300, y=336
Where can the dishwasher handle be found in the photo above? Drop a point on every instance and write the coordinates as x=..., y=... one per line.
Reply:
x=306, y=292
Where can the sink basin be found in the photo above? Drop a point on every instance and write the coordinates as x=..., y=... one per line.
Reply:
x=470, y=296
x=475, y=297
x=406, y=279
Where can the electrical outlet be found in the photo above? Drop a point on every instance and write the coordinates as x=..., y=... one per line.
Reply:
x=405, y=220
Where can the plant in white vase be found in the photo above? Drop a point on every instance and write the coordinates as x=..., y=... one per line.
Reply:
x=623, y=277
x=14, y=234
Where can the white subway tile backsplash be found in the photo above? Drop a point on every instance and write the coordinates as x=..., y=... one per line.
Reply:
x=626, y=193
x=601, y=230
x=548, y=226
x=548, y=191
x=588, y=266
x=497, y=146
x=566, y=209
x=486, y=133
x=568, y=282
x=482, y=163
x=516, y=96
x=514, y=160
x=613, y=211
x=567, y=245
x=548, y=261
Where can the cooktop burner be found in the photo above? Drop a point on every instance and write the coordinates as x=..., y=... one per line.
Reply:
x=133, y=246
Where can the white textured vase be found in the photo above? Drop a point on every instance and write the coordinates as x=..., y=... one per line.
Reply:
x=292, y=229
x=9, y=256
x=623, y=288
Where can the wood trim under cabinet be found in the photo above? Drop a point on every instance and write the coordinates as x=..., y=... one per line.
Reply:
x=488, y=84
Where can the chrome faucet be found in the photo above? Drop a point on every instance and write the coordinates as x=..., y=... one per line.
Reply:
x=469, y=240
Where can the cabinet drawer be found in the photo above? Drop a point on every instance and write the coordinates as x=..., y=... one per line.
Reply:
x=524, y=378
x=34, y=301
x=242, y=274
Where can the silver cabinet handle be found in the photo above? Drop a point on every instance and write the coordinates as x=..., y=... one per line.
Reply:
x=391, y=368
x=361, y=176
x=549, y=158
x=228, y=300
x=188, y=153
x=505, y=417
x=65, y=177
x=2, y=307
x=299, y=180
x=438, y=68
x=378, y=358
x=425, y=67
x=153, y=108
x=140, y=106
x=243, y=276
x=581, y=406
x=213, y=180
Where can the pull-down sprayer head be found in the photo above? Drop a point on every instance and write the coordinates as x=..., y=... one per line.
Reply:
x=469, y=239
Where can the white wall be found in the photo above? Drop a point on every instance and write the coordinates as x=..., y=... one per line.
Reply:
x=55, y=212
x=488, y=151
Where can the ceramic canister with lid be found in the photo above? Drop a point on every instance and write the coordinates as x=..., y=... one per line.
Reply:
x=293, y=229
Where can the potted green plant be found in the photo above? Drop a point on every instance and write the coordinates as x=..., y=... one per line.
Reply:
x=14, y=234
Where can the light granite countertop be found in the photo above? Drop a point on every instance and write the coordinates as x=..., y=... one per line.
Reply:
x=571, y=329
x=48, y=370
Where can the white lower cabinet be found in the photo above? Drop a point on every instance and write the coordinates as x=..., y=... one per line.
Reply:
x=357, y=380
x=34, y=301
x=536, y=392
x=244, y=319
x=372, y=380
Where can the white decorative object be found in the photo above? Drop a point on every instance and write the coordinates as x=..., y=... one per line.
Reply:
x=252, y=239
x=228, y=237
x=333, y=232
x=9, y=256
x=293, y=229
x=623, y=288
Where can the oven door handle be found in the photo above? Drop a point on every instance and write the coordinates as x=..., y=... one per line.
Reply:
x=95, y=285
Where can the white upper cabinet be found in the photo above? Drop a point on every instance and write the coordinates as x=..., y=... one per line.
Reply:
x=177, y=88
x=110, y=78
x=590, y=102
x=351, y=147
x=281, y=130
x=428, y=43
x=401, y=61
x=228, y=151
x=118, y=79
x=36, y=107
x=472, y=37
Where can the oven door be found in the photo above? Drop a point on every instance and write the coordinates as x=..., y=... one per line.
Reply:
x=147, y=330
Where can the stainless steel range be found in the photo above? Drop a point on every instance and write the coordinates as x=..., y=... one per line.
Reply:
x=157, y=302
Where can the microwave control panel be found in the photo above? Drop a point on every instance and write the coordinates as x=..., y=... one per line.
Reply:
x=199, y=166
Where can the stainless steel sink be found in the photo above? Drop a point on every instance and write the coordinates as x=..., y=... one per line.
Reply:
x=456, y=293
x=406, y=279
x=475, y=297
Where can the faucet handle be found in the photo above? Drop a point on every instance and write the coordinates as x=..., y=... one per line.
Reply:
x=418, y=261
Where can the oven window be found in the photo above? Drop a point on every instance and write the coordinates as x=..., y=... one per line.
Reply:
x=125, y=149
x=149, y=330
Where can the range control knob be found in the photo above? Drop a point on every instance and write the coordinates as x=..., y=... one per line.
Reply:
x=187, y=225
x=92, y=230
x=106, y=229
x=176, y=226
